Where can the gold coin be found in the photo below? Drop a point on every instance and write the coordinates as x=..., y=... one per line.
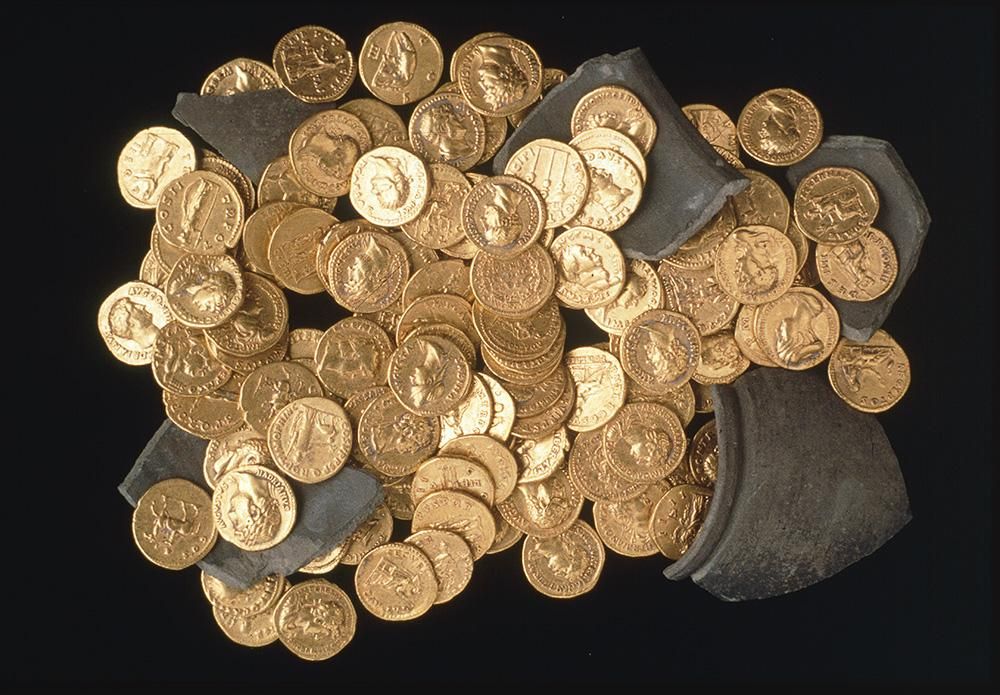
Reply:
x=436, y=309
x=507, y=536
x=503, y=409
x=492, y=455
x=279, y=184
x=642, y=291
x=374, y=531
x=780, y=127
x=151, y=272
x=400, y=62
x=496, y=136
x=860, y=270
x=464, y=249
x=439, y=224
x=313, y=64
x=150, y=161
x=291, y=253
x=393, y=439
x=383, y=123
x=550, y=78
x=444, y=128
x=260, y=322
x=515, y=370
x=257, y=233
x=182, y=363
x=503, y=216
x=557, y=172
x=227, y=170
x=540, y=458
x=172, y=524
x=526, y=338
x=762, y=202
x=448, y=510
x=703, y=400
x=513, y=287
x=703, y=457
x=543, y=509
x=624, y=526
x=678, y=517
x=441, y=277
x=721, y=359
x=419, y=255
x=200, y=212
x=717, y=128
x=550, y=420
x=396, y=581
x=463, y=50
x=499, y=75
x=798, y=330
x=755, y=264
x=566, y=565
x=429, y=375
x=245, y=365
x=260, y=597
x=593, y=476
x=615, y=107
x=611, y=139
x=273, y=386
x=397, y=497
x=808, y=275
x=238, y=76
x=660, y=349
x=644, y=442
x=368, y=271
x=204, y=291
x=472, y=416
x=353, y=355
x=451, y=557
x=310, y=439
x=324, y=562
x=614, y=194
x=465, y=346
x=746, y=341
x=701, y=250
x=696, y=294
x=800, y=242
x=680, y=400
x=452, y=473
x=590, y=266
x=600, y=387
x=535, y=398
x=315, y=619
x=302, y=344
x=249, y=631
x=871, y=376
x=389, y=186
x=166, y=254
x=835, y=205
x=253, y=507
x=130, y=319
x=324, y=149
x=237, y=449
x=214, y=415
x=328, y=242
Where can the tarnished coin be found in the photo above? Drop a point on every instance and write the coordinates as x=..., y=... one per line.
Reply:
x=253, y=507
x=755, y=264
x=871, y=376
x=503, y=215
x=315, y=619
x=259, y=229
x=860, y=270
x=514, y=287
x=472, y=416
x=535, y=398
x=492, y=455
x=762, y=202
x=615, y=107
x=614, y=193
x=203, y=291
x=172, y=524
x=270, y=388
x=389, y=186
x=716, y=127
x=396, y=581
x=227, y=170
x=429, y=375
x=624, y=525
x=703, y=457
x=260, y=322
x=393, y=439
x=600, y=387
x=374, y=531
x=557, y=172
x=310, y=439
x=150, y=161
x=591, y=268
x=566, y=565
x=238, y=76
x=499, y=75
x=531, y=336
x=721, y=359
x=200, y=212
x=451, y=557
x=448, y=510
x=383, y=123
x=314, y=64
x=540, y=458
x=593, y=476
x=644, y=442
x=441, y=277
x=437, y=309
x=237, y=449
x=678, y=517
x=779, y=127
x=835, y=205
x=696, y=294
x=182, y=363
x=324, y=149
x=611, y=139
x=130, y=319
x=279, y=184
x=798, y=330
x=214, y=415
x=368, y=271
x=291, y=252
x=445, y=128
x=259, y=597
x=439, y=224
x=642, y=291
x=746, y=341
x=660, y=349
x=353, y=355
x=504, y=410
x=452, y=473
x=543, y=509
x=400, y=62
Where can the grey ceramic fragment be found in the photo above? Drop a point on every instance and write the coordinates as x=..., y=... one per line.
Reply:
x=327, y=512
x=688, y=182
x=249, y=129
x=806, y=486
x=902, y=215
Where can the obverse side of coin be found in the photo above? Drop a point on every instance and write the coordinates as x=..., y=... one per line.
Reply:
x=703, y=457
x=557, y=172
x=550, y=78
x=172, y=524
x=611, y=139
x=353, y=355
x=721, y=359
x=566, y=565
x=591, y=268
x=310, y=439
x=472, y=416
x=491, y=455
x=835, y=205
x=368, y=272
x=540, y=458
x=389, y=186
x=593, y=476
x=259, y=323
x=200, y=212
x=503, y=216
x=600, y=387
x=452, y=473
x=383, y=123
x=755, y=264
x=871, y=376
x=400, y=62
x=291, y=253
x=449, y=510
x=130, y=319
x=314, y=64
x=746, y=340
x=660, y=349
x=461, y=52
x=717, y=128
x=679, y=400
x=624, y=526
x=860, y=270
x=779, y=127
x=618, y=108
x=614, y=193
x=468, y=350
x=499, y=75
x=396, y=581
x=239, y=76
x=439, y=224
x=445, y=128
x=678, y=517
x=315, y=619
x=204, y=291
x=324, y=149
x=451, y=557
x=234, y=450
x=798, y=330
x=514, y=287
x=696, y=294
x=150, y=161
x=374, y=531
x=436, y=309
x=258, y=230
x=393, y=439
x=700, y=250
x=543, y=509
x=440, y=277
x=270, y=388
x=183, y=364
x=429, y=375
x=642, y=291
x=253, y=508
x=279, y=184
x=762, y=202
x=644, y=442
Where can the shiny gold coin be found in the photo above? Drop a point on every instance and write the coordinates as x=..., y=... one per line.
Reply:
x=540, y=458
x=419, y=255
x=315, y=619
x=451, y=557
x=324, y=149
x=396, y=581
x=463, y=50
x=368, y=271
x=591, y=268
x=397, y=497
x=799, y=330
x=464, y=249
x=535, y=398
x=717, y=128
x=314, y=64
x=808, y=275
x=130, y=319
x=624, y=526
x=507, y=536
x=150, y=161
x=550, y=78
x=703, y=456
x=400, y=62
x=800, y=242
x=678, y=517
x=514, y=287
x=374, y=531
x=566, y=565
x=531, y=336
x=611, y=139
x=504, y=410
x=237, y=449
x=543, y=509
x=496, y=136
x=279, y=184
x=550, y=420
x=445, y=128
x=310, y=439
x=835, y=205
x=165, y=253
x=679, y=400
x=172, y=524
x=644, y=442
x=259, y=597
x=593, y=476
x=860, y=270
x=452, y=473
x=779, y=127
x=642, y=291
x=472, y=416
x=492, y=455
x=439, y=224
x=260, y=323
x=618, y=108
x=701, y=250
x=755, y=264
x=600, y=387
x=291, y=252
x=437, y=309
x=200, y=212
x=696, y=294
x=182, y=363
x=151, y=272
x=227, y=170
x=302, y=344
x=515, y=370
x=248, y=631
x=239, y=76
x=503, y=216
x=204, y=291
x=245, y=365
x=762, y=202
x=614, y=194
x=557, y=172
x=746, y=341
x=871, y=376
x=253, y=507
x=721, y=359
x=499, y=75
x=353, y=355
x=324, y=562
x=355, y=407
x=273, y=386
x=468, y=350
x=382, y=121
x=441, y=277
x=259, y=229
x=393, y=439
x=448, y=510
x=329, y=241
x=389, y=186
x=703, y=400
x=660, y=349
x=214, y=415
x=429, y=375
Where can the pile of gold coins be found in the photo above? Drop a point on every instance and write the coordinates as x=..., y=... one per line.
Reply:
x=451, y=381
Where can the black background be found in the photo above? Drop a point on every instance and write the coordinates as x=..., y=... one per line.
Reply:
x=87, y=606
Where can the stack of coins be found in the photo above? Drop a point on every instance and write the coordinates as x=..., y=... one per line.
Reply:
x=451, y=380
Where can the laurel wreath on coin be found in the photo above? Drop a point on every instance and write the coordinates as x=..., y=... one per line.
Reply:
x=451, y=382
